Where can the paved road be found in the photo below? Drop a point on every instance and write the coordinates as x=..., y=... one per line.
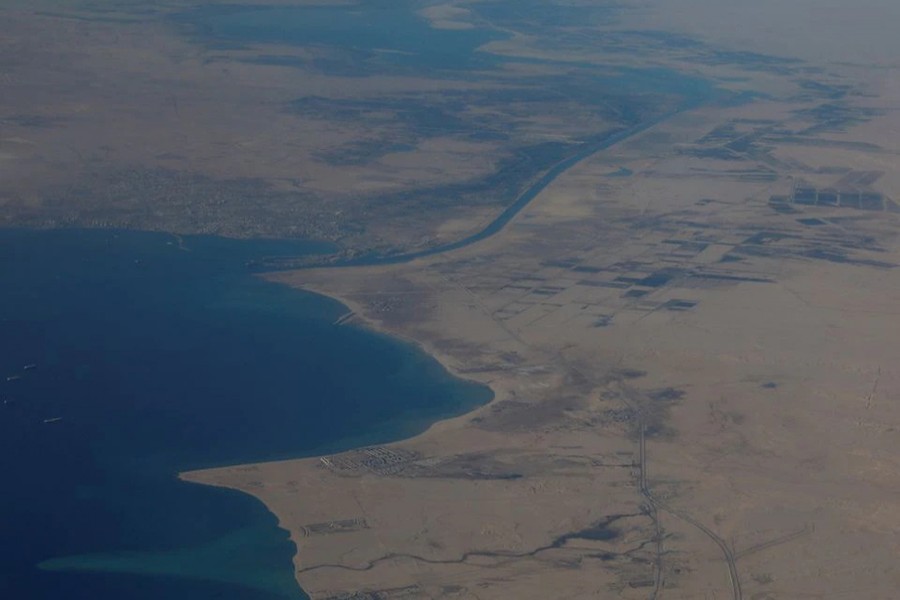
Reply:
x=727, y=553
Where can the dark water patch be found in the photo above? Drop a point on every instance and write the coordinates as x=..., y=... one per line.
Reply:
x=381, y=32
x=730, y=278
x=660, y=278
x=830, y=91
x=677, y=305
x=604, y=556
x=435, y=115
x=627, y=373
x=153, y=355
x=837, y=256
x=666, y=395
x=600, y=531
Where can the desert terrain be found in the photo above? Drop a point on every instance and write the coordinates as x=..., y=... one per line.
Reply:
x=691, y=339
x=690, y=331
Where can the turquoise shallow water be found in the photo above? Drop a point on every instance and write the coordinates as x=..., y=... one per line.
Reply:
x=151, y=358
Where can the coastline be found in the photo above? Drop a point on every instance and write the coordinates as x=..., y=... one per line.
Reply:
x=441, y=441
x=664, y=372
x=355, y=312
x=455, y=489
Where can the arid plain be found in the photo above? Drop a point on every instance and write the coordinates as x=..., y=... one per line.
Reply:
x=692, y=339
x=692, y=334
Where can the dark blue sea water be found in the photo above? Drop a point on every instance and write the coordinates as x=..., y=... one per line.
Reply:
x=154, y=357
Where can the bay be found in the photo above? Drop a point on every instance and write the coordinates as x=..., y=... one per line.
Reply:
x=127, y=357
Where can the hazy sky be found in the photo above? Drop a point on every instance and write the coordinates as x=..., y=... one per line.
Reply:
x=833, y=30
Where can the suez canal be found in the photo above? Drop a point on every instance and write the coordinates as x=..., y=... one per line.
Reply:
x=525, y=198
